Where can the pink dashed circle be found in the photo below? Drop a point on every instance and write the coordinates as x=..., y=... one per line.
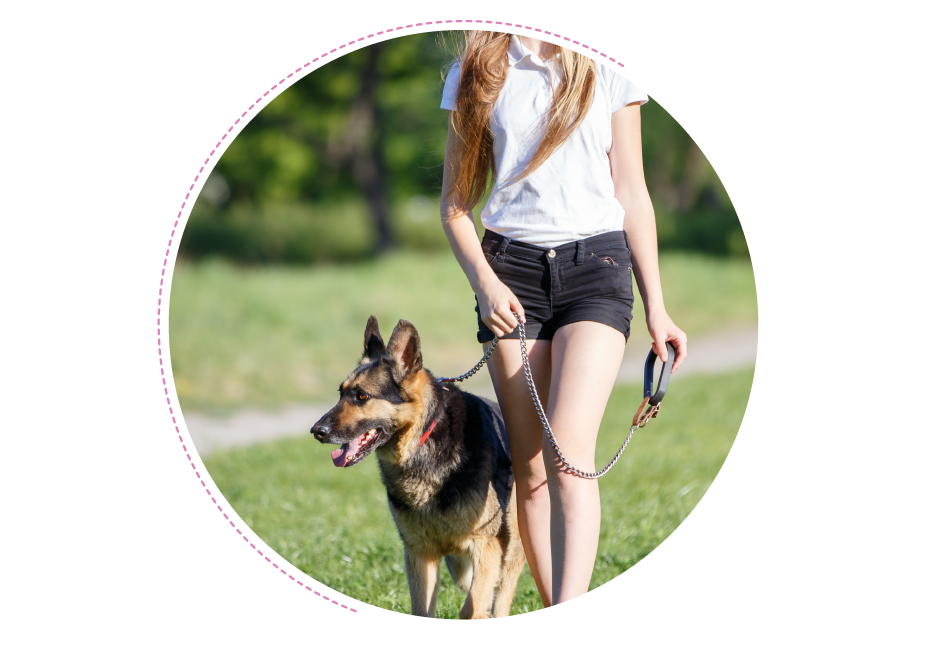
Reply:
x=177, y=222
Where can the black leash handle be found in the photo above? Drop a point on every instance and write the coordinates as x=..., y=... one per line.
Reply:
x=663, y=383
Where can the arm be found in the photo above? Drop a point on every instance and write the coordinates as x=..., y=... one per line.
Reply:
x=640, y=224
x=495, y=299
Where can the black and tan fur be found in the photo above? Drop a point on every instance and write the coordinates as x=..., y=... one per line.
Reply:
x=451, y=496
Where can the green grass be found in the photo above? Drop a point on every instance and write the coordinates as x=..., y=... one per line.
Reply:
x=266, y=336
x=334, y=525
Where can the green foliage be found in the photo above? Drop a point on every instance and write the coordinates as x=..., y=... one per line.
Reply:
x=334, y=525
x=282, y=232
x=275, y=192
x=265, y=336
x=693, y=209
x=294, y=149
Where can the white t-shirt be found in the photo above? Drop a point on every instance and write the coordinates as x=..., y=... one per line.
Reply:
x=571, y=195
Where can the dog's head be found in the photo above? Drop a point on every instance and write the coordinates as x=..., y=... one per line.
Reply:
x=382, y=399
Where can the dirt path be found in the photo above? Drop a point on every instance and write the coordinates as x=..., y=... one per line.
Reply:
x=720, y=352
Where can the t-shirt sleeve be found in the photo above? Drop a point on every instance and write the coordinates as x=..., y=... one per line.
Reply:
x=623, y=92
x=449, y=99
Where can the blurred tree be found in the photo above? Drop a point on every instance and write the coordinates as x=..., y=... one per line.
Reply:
x=365, y=146
x=348, y=161
x=693, y=208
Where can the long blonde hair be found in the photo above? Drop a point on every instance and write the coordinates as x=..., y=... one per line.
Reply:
x=483, y=63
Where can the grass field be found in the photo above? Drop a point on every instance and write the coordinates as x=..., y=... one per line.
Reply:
x=334, y=525
x=266, y=336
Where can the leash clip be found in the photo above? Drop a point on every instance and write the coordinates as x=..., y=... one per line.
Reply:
x=645, y=413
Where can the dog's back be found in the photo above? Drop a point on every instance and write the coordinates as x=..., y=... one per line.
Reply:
x=485, y=426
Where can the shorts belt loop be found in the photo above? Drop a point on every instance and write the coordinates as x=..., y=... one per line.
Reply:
x=626, y=242
x=502, y=248
x=580, y=252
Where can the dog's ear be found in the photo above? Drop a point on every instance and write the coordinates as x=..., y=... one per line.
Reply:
x=405, y=349
x=373, y=341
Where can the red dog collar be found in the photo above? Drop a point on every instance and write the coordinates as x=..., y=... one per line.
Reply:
x=427, y=433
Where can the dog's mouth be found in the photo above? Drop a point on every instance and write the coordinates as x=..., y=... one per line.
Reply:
x=356, y=450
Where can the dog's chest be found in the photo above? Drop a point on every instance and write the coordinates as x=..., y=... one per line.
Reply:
x=447, y=494
x=449, y=525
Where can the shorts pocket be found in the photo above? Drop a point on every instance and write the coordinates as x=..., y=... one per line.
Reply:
x=607, y=260
x=612, y=272
x=490, y=250
x=619, y=257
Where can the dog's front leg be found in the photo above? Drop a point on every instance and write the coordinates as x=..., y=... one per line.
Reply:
x=487, y=559
x=422, y=573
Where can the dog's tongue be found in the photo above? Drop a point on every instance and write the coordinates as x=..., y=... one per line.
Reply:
x=340, y=456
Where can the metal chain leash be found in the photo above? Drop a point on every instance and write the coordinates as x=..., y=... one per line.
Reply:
x=476, y=367
x=543, y=416
x=540, y=410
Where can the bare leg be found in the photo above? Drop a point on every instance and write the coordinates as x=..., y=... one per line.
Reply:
x=585, y=359
x=524, y=433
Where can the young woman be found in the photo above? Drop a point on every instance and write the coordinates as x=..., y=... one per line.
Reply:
x=568, y=218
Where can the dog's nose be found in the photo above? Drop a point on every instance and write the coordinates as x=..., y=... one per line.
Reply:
x=320, y=430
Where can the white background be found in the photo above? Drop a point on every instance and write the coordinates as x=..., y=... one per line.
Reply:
x=808, y=549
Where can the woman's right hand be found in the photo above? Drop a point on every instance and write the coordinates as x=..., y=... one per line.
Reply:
x=496, y=303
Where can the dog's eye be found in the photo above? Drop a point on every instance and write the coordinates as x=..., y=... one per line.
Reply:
x=363, y=396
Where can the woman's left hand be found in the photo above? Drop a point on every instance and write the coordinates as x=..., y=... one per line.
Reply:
x=663, y=330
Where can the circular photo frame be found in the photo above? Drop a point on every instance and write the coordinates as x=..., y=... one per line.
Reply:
x=319, y=207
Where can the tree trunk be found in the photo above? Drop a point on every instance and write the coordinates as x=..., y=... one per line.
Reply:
x=367, y=158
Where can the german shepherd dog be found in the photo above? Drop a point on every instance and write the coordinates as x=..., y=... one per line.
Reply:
x=444, y=459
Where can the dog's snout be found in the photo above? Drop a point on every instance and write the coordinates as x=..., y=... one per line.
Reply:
x=321, y=430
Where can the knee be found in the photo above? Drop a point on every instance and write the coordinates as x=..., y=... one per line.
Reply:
x=561, y=478
x=530, y=482
x=566, y=487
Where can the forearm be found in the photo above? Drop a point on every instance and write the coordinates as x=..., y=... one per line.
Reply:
x=458, y=224
x=640, y=225
x=461, y=235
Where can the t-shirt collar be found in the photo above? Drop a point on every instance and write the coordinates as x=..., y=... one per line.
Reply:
x=518, y=52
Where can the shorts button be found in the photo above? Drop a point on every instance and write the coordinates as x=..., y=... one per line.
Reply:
x=551, y=253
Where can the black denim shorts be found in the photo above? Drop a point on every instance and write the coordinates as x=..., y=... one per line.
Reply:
x=587, y=280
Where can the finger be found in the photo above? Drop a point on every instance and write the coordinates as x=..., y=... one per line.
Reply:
x=659, y=346
x=500, y=322
x=682, y=351
x=516, y=305
x=509, y=318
